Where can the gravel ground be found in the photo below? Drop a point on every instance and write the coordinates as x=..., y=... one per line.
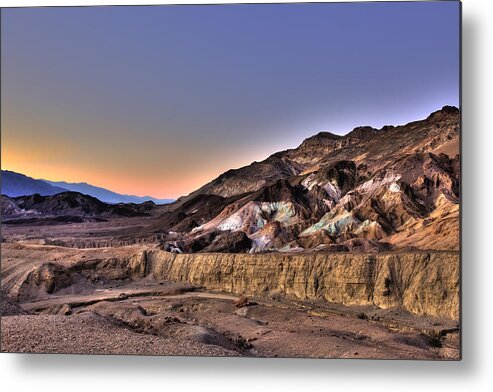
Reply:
x=9, y=307
x=90, y=333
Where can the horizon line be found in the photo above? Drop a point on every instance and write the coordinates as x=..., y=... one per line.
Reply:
x=82, y=182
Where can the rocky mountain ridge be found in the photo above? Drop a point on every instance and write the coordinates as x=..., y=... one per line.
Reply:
x=67, y=204
x=370, y=190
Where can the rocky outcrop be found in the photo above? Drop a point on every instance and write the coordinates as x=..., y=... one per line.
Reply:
x=9, y=207
x=425, y=283
x=236, y=242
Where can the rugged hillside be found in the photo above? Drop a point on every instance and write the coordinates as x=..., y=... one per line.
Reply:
x=10, y=207
x=367, y=145
x=68, y=204
x=370, y=190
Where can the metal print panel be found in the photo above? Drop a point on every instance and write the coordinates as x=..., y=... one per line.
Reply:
x=263, y=180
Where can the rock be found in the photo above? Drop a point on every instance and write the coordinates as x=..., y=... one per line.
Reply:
x=236, y=242
x=241, y=302
x=66, y=310
x=425, y=283
x=244, y=311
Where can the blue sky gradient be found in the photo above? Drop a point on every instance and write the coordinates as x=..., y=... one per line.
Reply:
x=160, y=99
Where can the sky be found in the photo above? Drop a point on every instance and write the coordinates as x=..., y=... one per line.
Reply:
x=159, y=100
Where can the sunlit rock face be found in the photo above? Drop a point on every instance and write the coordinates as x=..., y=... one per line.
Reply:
x=370, y=190
x=425, y=283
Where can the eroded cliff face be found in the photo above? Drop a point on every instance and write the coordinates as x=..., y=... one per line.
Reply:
x=425, y=283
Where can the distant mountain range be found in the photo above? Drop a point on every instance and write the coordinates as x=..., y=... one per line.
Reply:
x=16, y=184
x=104, y=194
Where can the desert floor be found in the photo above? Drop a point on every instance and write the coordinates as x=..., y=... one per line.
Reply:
x=152, y=317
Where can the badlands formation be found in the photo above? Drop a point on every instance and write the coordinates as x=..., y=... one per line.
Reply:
x=346, y=246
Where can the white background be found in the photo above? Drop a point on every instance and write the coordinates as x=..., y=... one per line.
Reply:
x=473, y=373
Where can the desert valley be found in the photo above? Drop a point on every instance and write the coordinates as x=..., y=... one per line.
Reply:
x=344, y=247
